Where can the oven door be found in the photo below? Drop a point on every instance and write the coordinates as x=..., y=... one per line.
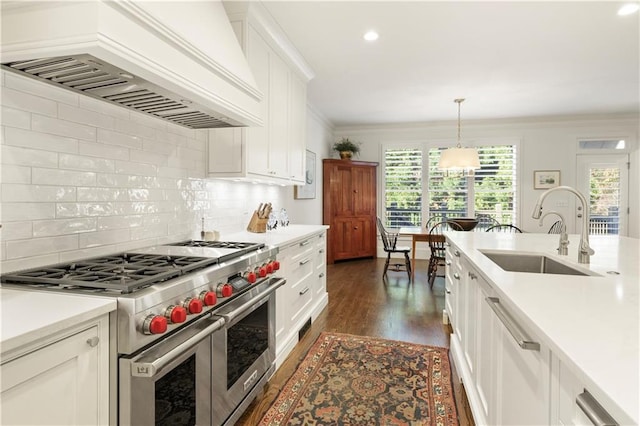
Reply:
x=170, y=383
x=243, y=351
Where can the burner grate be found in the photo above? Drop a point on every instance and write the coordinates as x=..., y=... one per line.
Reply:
x=124, y=272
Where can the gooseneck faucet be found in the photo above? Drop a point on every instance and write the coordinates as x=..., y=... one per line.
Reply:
x=563, y=244
x=584, y=251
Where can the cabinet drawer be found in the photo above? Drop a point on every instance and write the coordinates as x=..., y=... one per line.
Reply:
x=301, y=296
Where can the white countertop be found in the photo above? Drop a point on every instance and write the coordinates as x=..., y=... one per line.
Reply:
x=592, y=323
x=277, y=237
x=27, y=316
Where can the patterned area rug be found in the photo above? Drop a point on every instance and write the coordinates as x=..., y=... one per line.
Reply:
x=359, y=380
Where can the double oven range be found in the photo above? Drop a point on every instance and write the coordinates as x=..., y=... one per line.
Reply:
x=194, y=325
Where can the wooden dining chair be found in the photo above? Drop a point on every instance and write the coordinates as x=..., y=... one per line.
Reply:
x=437, y=247
x=505, y=228
x=389, y=242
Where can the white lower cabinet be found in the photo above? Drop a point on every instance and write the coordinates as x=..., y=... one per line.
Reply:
x=304, y=295
x=504, y=368
x=63, y=383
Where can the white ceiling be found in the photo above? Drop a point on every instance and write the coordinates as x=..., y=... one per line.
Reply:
x=508, y=59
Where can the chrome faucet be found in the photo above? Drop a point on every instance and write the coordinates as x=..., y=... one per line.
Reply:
x=563, y=244
x=584, y=251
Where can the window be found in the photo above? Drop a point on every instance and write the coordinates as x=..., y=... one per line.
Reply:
x=491, y=190
x=403, y=187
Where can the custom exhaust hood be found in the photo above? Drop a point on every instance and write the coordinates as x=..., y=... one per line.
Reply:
x=175, y=60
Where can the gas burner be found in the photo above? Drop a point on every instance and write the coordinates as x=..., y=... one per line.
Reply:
x=123, y=273
x=219, y=244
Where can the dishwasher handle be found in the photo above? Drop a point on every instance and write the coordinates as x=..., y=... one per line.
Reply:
x=594, y=411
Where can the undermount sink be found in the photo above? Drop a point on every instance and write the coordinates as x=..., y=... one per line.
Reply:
x=532, y=263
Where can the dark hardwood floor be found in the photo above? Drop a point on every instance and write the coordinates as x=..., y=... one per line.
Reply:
x=362, y=303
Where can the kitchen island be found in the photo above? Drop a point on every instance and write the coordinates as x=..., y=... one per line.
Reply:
x=587, y=325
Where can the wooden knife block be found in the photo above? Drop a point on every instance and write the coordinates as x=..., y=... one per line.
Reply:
x=256, y=224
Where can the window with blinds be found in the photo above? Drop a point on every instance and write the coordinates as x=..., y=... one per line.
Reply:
x=490, y=191
x=403, y=187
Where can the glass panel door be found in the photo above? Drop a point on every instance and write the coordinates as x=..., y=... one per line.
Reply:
x=603, y=179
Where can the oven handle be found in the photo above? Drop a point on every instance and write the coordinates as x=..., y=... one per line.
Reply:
x=230, y=316
x=150, y=369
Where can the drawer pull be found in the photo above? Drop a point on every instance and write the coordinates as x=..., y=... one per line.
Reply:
x=321, y=251
x=512, y=327
x=594, y=411
x=304, y=243
x=473, y=276
x=321, y=275
x=456, y=275
x=304, y=262
x=456, y=253
x=93, y=342
x=447, y=262
x=306, y=289
x=448, y=291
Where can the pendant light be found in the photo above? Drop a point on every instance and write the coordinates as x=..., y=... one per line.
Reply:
x=459, y=159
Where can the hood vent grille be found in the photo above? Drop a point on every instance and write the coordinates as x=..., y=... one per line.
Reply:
x=90, y=76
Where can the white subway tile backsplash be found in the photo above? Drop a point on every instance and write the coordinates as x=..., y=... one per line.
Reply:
x=172, y=172
x=89, y=164
x=49, y=228
x=37, y=193
x=102, y=107
x=62, y=177
x=118, y=222
x=28, y=85
x=153, y=123
x=197, y=145
x=100, y=150
x=131, y=168
x=153, y=231
x=15, y=118
x=28, y=262
x=27, y=211
x=39, y=246
x=84, y=116
x=69, y=210
x=149, y=157
x=42, y=141
x=26, y=102
x=28, y=157
x=16, y=230
x=120, y=139
x=101, y=238
x=132, y=128
x=16, y=174
x=102, y=194
x=40, y=123
x=70, y=256
x=163, y=135
x=160, y=147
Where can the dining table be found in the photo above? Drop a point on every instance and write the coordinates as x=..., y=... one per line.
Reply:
x=417, y=234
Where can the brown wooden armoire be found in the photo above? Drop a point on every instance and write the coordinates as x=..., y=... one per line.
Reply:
x=349, y=208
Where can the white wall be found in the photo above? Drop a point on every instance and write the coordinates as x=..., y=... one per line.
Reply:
x=82, y=178
x=545, y=144
x=319, y=141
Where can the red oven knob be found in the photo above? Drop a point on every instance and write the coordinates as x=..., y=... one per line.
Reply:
x=262, y=271
x=154, y=324
x=224, y=290
x=269, y=268
x=276, y=265
x=193, y=305
x=209, y=298
x=175, y=314
x=251, y=277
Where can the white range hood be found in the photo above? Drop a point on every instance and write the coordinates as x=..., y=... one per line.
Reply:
x=175, y=60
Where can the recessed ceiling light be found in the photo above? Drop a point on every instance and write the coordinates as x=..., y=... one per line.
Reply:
x=628, y=9
x=371, y=36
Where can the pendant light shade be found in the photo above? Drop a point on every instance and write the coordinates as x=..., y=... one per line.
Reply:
x=459, y=159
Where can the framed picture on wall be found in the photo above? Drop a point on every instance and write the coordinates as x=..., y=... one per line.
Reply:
x=308, y=190
x=545, y=179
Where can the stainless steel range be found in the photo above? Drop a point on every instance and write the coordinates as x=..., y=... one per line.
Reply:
x=195, y=325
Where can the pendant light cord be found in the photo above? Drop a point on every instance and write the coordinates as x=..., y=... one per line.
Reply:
x=459, y=101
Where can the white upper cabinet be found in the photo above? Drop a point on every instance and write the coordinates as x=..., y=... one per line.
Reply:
x=275, y=152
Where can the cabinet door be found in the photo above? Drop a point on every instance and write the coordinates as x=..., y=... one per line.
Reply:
x=471, y=291
x=278, y=124
x=58, y=384
x=364, y=191
x=257, y=137
x=486, y=361
x=297, y=128
x=351, y=237
x=522, y=378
